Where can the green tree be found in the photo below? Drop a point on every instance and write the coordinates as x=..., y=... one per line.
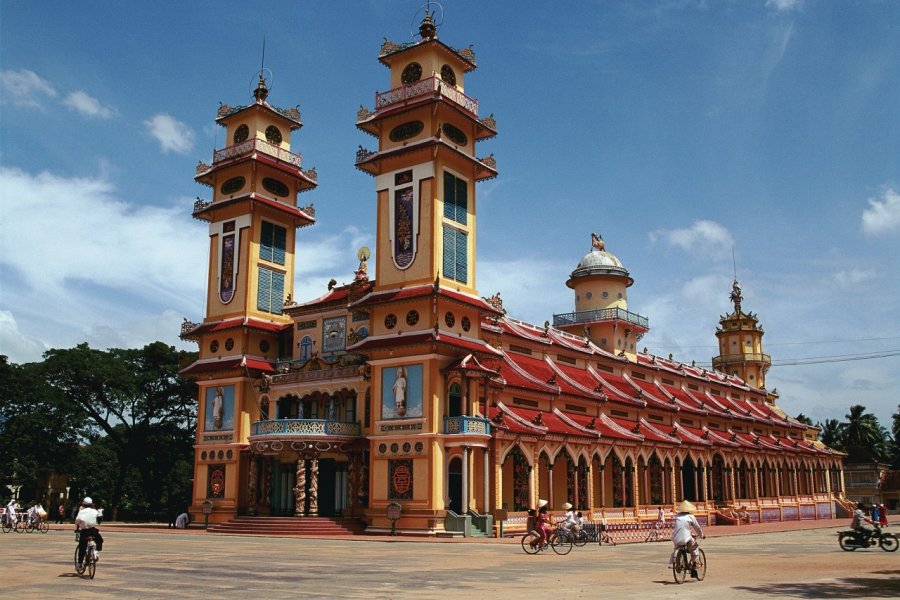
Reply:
x=38, y=430
x=830, y=434
x=132, y=400
x=861, y=430
x=895, y=442
x=804, y=419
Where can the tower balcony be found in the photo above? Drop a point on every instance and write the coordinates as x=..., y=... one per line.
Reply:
x=466, y=425
x=729, y=359
x=303, y=429
x=595, y=316
x=431, y=86
x=247, y=148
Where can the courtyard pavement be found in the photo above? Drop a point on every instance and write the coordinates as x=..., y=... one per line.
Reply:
x=782, y=560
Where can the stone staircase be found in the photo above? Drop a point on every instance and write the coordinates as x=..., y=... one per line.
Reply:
x=290, y=526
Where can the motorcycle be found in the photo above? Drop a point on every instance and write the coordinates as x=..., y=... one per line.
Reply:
x=852, y=539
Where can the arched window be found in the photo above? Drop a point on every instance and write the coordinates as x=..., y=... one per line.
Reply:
x=306, y=348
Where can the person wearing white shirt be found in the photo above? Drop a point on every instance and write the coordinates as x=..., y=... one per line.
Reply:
x=11, y=517
x=684, y=525
x=182, y=521
x=86, y=522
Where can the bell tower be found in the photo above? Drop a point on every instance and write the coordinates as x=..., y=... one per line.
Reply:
x=253, y=217
x=424, y=309
x=740, y=344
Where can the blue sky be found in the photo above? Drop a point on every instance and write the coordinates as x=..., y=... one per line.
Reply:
x=677, y=129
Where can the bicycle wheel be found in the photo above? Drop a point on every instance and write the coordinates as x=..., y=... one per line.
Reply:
x=21, y=526
x=530, y=542
x=701, y=565
x=680, y=566
x=44, y=526
x=79, y=568
x=7, y=526
x=92, y=565
x=562, y=545
x=581, y=539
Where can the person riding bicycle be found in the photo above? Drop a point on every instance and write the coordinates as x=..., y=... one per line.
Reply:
x=541, y=523
x=859, y=518
x=12, y=516
x=570, y=523
x=34, y=514
x=86, y=522
x=684, y=524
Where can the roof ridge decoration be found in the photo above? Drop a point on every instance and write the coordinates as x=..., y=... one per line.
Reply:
x=508, y=412
x=525, y=374
x=615, y=426
x=648, y=425
x=599, y=395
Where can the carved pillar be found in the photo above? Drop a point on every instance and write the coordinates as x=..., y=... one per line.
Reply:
x=602, y=486
x=267, y=482
x=314, y=486
x=252, y=482
x=300, y=488
x=550, y=484
x=590, y=486
x=465, y=480
x=353, y=481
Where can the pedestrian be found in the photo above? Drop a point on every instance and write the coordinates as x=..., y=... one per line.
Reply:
x=875, y=519
x=882, y=516
x=60, y=513
x=182, y=521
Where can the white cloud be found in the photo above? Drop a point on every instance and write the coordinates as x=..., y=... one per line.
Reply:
x=852, y=278
x=100, y=262
x=883, y=214
x=25, y=88
x=15, y=344
x=87, y=105
x=532, y=290
x=702, y=238
x=172, y=134
x=784, y=5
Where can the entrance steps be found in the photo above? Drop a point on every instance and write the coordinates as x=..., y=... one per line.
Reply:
x=290, y=526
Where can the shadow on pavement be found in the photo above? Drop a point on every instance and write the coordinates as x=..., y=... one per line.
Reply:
x=847, y=587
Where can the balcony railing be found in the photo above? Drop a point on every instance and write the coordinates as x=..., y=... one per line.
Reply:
x=726, y=358
x=304, y=427
x=248, y=147
x=424, y=87
x=463, y=424
x=604, y=314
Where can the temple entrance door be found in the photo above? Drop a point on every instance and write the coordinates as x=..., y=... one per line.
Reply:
x=454, y=485
x=689, y=478
x=327, y=477
x=282, y=498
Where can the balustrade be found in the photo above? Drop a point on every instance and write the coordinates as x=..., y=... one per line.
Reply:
x=304, y=427
x=604, y=314
x=249, y=146
x=464, y=424
x=423, y=87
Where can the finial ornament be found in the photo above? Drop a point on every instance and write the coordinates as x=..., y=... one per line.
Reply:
x=597, y=242
x=736, y=295
x=430, y=23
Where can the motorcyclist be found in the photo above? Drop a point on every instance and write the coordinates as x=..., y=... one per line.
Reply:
x=86, y=522
x=859, y=518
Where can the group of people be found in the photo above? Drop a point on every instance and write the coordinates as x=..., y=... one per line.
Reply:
x=32, y=516
x=685, y=525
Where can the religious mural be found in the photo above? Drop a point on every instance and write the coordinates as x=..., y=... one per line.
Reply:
x=400, y=475
x=215, y=481
x=227, y=264
x=401, y=392
x=219, y=408
x=404, y=225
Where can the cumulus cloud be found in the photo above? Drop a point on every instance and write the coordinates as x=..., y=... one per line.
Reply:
x=172, y=134
x=703, y=237
x=784, y=5
x=87, y=105
x=25, y=88
x=883, y=214
x=101, y=261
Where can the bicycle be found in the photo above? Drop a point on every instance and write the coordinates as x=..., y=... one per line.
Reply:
x=89, y=563
x=559, y=541
x=39, y=524
x=681, y=566
x=603, y=536
x=655, y=534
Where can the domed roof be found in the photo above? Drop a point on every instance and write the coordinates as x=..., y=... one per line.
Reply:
x=599, y=262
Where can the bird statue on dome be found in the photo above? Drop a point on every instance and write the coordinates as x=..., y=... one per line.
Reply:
x=597, y=242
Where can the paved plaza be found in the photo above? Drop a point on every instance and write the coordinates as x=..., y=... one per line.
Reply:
x=147, y=563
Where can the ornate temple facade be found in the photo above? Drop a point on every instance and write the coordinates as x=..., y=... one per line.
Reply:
x=409, y=394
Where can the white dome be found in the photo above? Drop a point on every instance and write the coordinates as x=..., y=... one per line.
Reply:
x=599, y=262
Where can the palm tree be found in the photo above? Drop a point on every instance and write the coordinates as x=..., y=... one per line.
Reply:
x=830, y=434
x=804, y=419
x=863, y=431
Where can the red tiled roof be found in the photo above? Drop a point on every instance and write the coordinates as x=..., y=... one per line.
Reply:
x=550, y=420
x=224, y=364
x=618, y=389
x=235, y=323
x=424, y=337
x=518, y=376
x=422, y=291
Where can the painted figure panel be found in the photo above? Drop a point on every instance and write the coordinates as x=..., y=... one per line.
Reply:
x=401, y=392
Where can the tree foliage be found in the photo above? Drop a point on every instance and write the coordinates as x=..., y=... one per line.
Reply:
x=128, y=410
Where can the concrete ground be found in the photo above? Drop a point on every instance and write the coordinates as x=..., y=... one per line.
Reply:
x=802, y=560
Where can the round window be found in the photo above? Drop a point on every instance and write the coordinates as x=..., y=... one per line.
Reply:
x=273, y=134
x=466, y=323
x=449, y=319
x=454, y=134
x=411, y=73
x=412, y=317
x=589, y=295
x=229, y=344
x=264, y=346
x=390, y=321
x=214, y=346
x=275, y=187
x=405, y=131
x=232, y=185
x=448, y=75
x=241, y=134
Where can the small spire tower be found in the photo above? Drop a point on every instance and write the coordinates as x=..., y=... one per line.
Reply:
x=740, y=344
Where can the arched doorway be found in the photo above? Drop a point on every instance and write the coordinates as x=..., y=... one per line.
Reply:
x=718, y=478
x=454, y=404
x=454, y=484
x=689, y=480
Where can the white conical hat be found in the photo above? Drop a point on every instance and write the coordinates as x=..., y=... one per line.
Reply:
x=542, y=503
x=567, y=506
x=685, y=507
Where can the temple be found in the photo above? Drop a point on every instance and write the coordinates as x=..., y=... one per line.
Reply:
x=409, y=402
